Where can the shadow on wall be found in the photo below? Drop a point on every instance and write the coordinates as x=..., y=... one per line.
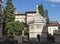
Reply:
x=43, y=36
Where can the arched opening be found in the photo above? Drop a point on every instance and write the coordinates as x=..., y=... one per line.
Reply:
x=38, y=37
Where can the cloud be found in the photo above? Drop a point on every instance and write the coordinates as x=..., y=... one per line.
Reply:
x=53, y=0
x=53, y=5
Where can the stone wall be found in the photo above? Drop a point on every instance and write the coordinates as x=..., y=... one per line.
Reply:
x=19, y=38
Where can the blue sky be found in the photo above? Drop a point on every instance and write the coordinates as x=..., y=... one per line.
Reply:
x=53, y=7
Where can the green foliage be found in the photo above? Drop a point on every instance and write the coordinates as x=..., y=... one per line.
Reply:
x=8, y=16
x=26, y=31
x=46, y=14
x=18, y=27
x=9, y=24
x=11, y=28
x=41, y=10
x=9, y=10
x=4, y=21
x=26, y=34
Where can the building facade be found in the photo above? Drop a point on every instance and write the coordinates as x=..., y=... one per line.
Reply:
x=36, y=22
x=38, y=27
x=30, y=16
x=1, y=18
x=20, y=17
x=53, y=27
x=25, y=17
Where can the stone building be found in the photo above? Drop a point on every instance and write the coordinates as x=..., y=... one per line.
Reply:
x=20, y=17
x=37, y=27
x=52, y=27
x=25, y=17
x=1, y=19
x=57, y=34
x=36, y=22
x=30, y=16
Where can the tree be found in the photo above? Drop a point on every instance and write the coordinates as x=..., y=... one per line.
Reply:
x=18, y=27
x=41, y=10
x=15, y=28
x=4, y=21
x=9, y=16
x=26, y=31
x=46, y=14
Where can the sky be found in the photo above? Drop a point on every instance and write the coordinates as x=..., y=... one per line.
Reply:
x=53, y=7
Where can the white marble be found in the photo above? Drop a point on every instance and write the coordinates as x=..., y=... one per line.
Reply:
x=37, y=26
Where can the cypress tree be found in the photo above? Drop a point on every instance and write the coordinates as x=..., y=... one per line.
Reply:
x=46, y=14
x=4, y=21
x=8, y=16
x=41, y=10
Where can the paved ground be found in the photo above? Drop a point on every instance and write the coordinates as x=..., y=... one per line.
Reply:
x=33, y=43
x=37, y=43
